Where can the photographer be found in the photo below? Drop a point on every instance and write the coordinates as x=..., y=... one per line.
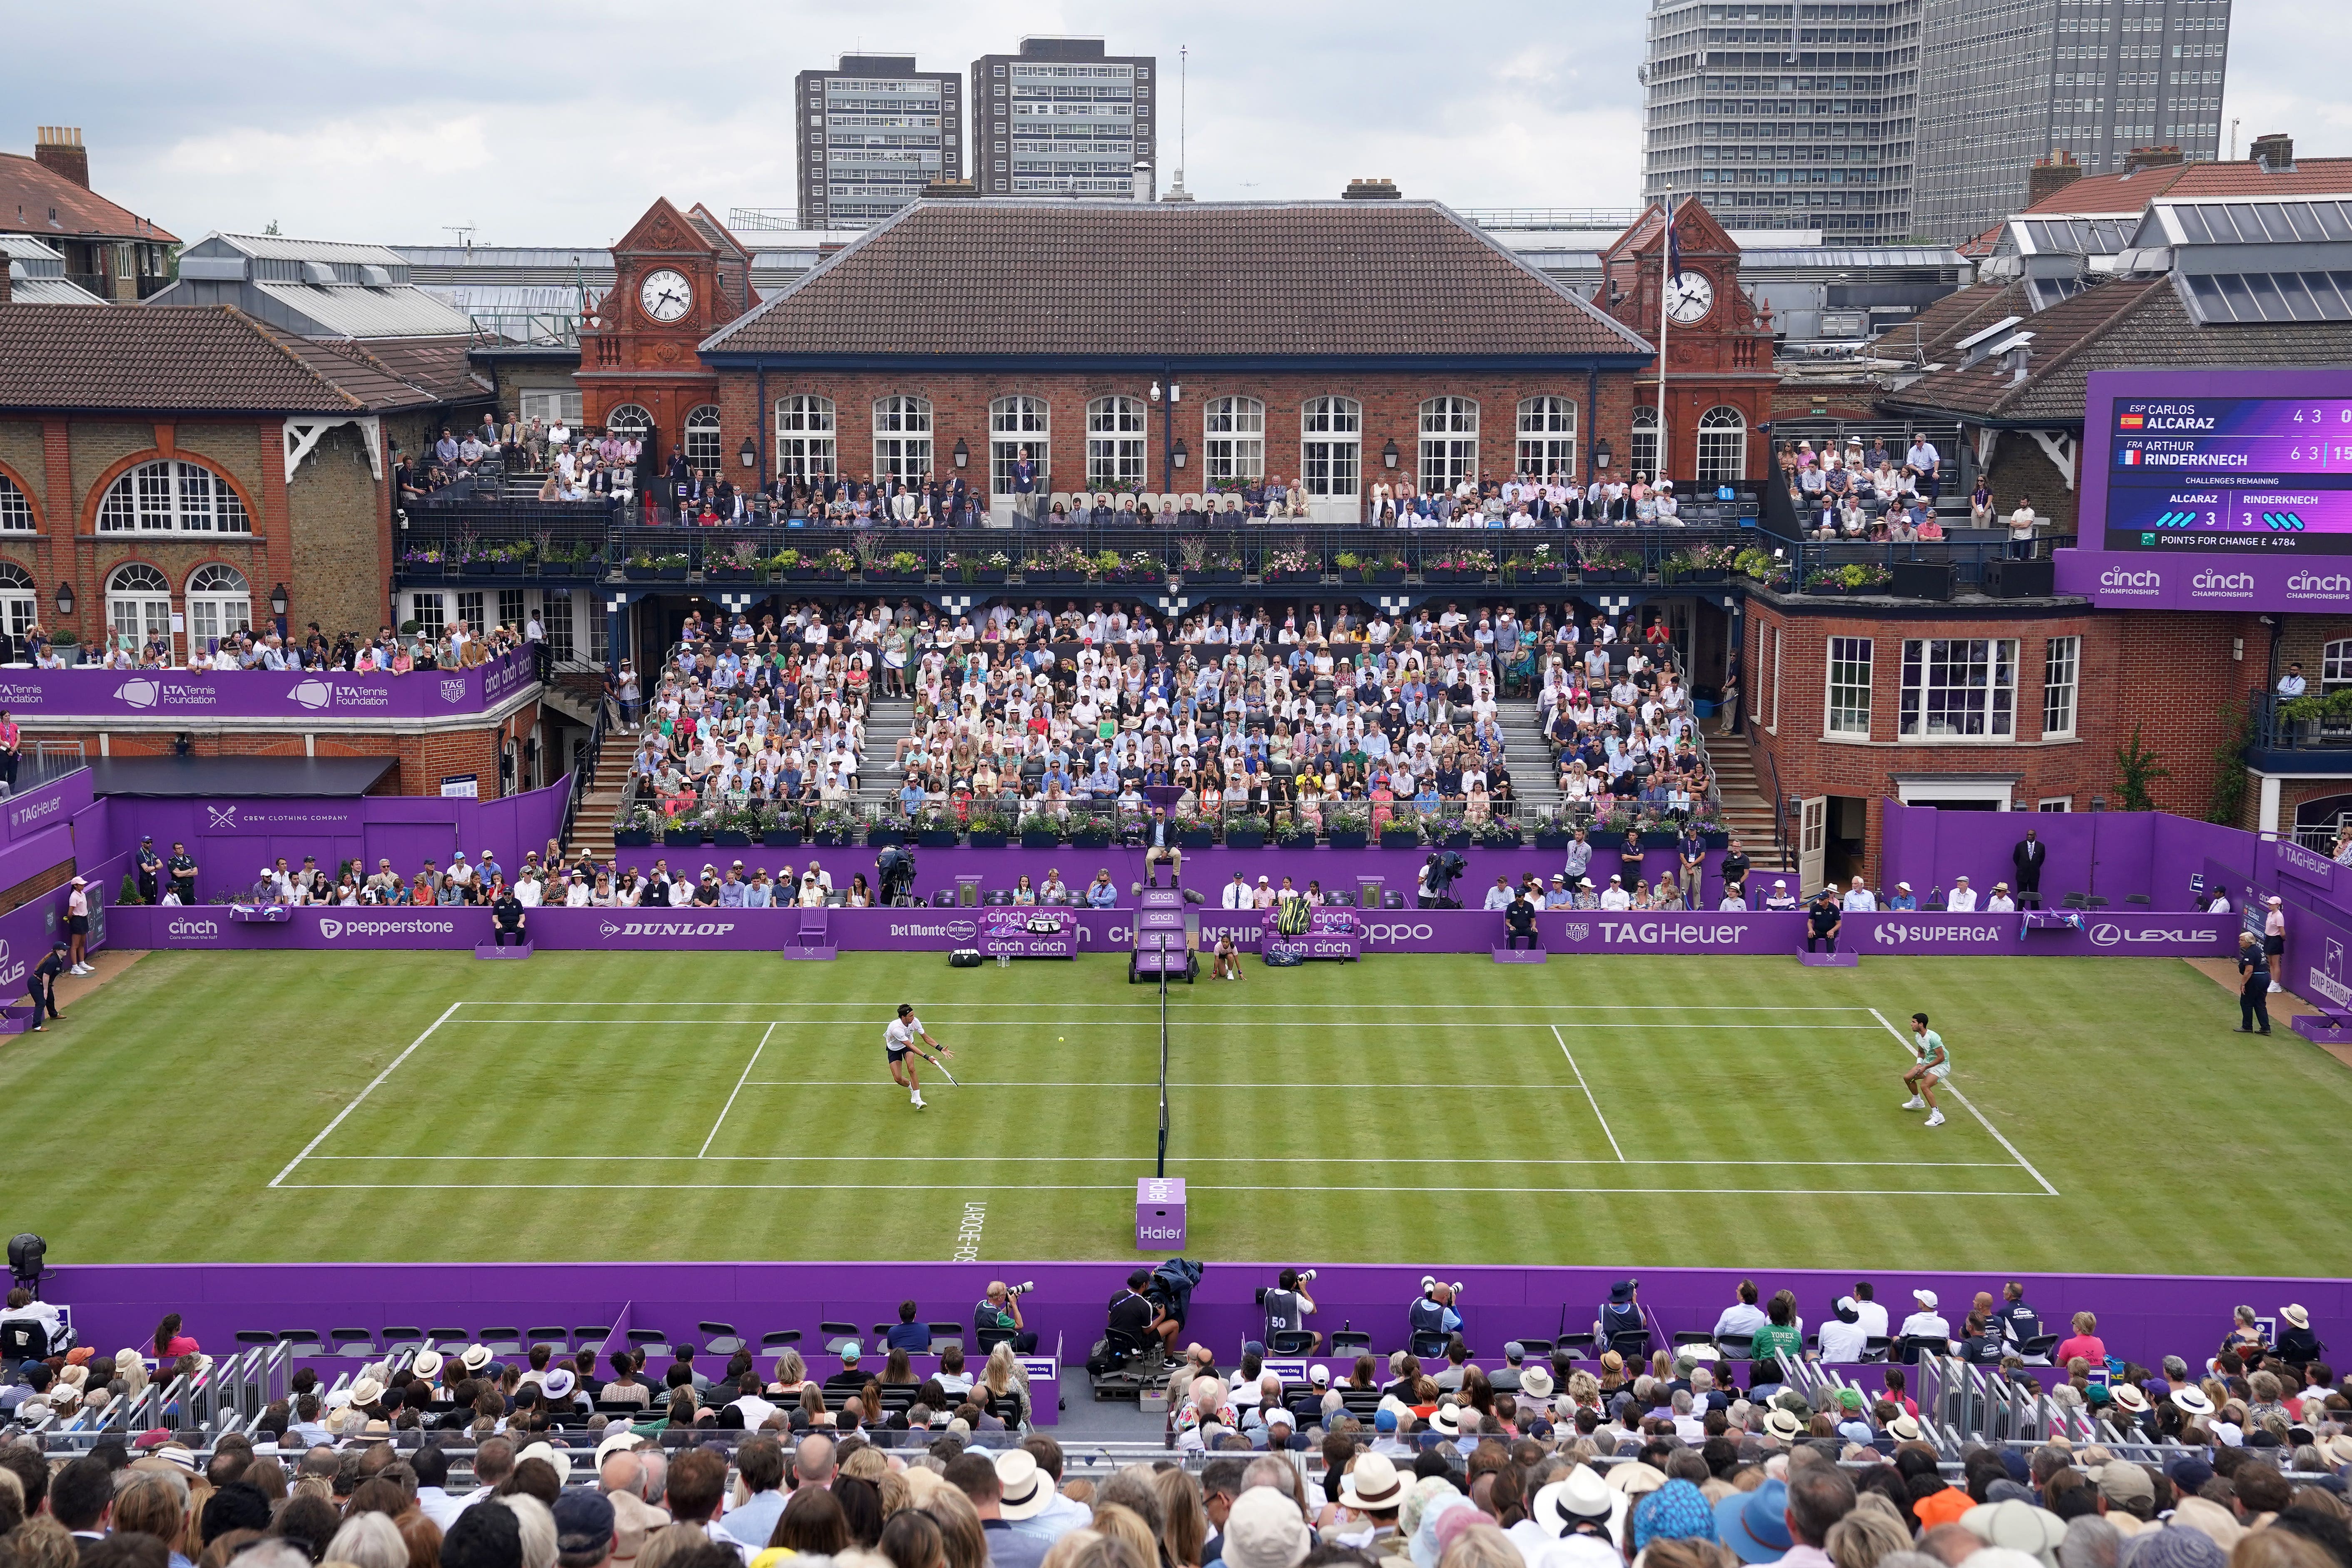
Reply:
x=1437, y=875
x=894, y=871
x=1286, y=1306
x=1434, y=1313
x=1002, y=1310
x=1136, y=1315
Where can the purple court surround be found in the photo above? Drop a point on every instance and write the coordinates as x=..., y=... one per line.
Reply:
x=50, y=695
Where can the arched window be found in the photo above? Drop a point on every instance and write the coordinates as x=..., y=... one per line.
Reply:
x=804, y=439
x=629, y=422
x=1017, y=424
x=1722, y=446
x=138, y=604
x=1449, y=441
x=1547, y=437
x=171, y=496
x=15, y=508
x=702, y=438
x=220, y=601
x=1331, y=447
x=1232, y=442
x=20, y=603
x=2335, y=664
x=902, y=438
x=1644, y=456
x=1115, y=443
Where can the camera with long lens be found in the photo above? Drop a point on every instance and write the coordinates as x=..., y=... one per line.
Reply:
x=1021, y=1289
x=1430, y=1282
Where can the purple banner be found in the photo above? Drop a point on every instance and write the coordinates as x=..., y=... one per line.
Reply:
x=48, y=805
x=2111, y=855
x=48, y=696
x=2303, y=865
x=2117, y=580
x=1112, y=931
x=1026, y=931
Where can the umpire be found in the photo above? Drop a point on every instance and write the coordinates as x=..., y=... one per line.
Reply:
x=2254, y=986
x=41, y=985
x=1823, y=919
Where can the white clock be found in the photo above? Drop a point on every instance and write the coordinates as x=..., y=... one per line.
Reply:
x=1689, y=298
x=665, y=295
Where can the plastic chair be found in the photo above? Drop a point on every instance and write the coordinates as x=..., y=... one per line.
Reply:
x=779, y=1339
x=1428, y=1343
x=1291, y=1341
x=1354, y=1340
x=256, y=1337
x=1536, y=1349
x=719, y=1339
x=558, y=1338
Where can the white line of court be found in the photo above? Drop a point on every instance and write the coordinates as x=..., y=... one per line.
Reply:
x=1955, y=1091
x=1256, y=1007
x=1588, y=1091
x=1152, y=1022
x=362, y=1094
x=1129, y=1188
x=738, y=1089
x=1129, y=1159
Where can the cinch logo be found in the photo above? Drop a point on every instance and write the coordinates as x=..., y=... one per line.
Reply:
x=2119, y=578
x=1895, y=933
x=190, y=930
x=2109, y=935
x=2222, y=582
x=2304, y=583
x=139, y=693
x=608, y=930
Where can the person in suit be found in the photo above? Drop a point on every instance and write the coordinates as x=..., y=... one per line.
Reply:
x=2030, y=856
x=1160, y=843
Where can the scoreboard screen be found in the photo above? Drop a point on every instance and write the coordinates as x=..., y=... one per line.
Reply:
x=2211, y=473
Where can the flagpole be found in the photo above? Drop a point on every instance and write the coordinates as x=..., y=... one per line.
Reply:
x=1665, y=280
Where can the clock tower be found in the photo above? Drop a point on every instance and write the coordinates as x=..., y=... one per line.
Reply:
x=1719, y=374
x=680, y=277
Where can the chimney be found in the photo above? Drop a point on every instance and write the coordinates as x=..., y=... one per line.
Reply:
x=1382, y=189
x=58, y=149
x=949, y=190
x=2141, y=158
x=8, y=283
x=2050, y=176
x=2274, y=153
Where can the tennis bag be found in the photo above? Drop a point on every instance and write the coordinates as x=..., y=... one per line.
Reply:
x=964, y=958
x=1292, y=917
x=1279, y=956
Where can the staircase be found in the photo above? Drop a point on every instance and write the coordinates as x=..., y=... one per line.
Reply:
x=1746, y=815
x=888, y=720
x=1535, y=780
x=592, y=827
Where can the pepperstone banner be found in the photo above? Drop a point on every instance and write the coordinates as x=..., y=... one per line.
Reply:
x=37, y=695
x=1112, y=931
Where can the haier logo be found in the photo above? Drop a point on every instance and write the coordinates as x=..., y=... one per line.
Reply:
x=609, y=930
x=2126, y=582
x=192, y=931
x=1158, y=1232
x=2224, y=582
x=2105, y=935
x=1894, y=933
x=139, y=693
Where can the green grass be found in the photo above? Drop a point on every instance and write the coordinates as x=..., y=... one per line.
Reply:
x=632, y=1106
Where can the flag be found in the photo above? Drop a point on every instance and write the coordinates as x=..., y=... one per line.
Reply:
x=2131, y=456
x=1674, y=244
x=2135, y=421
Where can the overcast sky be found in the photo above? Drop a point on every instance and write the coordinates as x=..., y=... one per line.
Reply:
x=557, y=125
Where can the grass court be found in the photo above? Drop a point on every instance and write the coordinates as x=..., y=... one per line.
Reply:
x=1656, y=1110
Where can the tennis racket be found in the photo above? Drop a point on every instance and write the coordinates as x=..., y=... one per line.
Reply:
x=935, y=1062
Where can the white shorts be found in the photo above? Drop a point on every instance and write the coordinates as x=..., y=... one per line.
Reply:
x=1939, y=1073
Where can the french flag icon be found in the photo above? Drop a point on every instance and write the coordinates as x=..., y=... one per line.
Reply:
x=2131, y=456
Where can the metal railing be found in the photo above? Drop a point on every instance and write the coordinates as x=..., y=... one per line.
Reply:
x=2273, y=729
x=583, y=772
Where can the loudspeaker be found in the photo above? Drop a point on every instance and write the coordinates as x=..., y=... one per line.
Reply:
x=2021, y=579
x=1921, y=580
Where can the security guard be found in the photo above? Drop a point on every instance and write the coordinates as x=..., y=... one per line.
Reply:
x=41, y=985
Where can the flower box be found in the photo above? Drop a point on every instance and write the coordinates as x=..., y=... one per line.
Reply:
x=885, y=574
x=1458, y=839
x=682, y=837
x=824, y=838
x=1658, y=838
x=782, y=838
x=1212, y=579
x=1605, y=839
x=1244, y=838
x=1045, y=839
x=1198, y=838
x=1357, y=839
x=880, y=836
x=939, y=837
x=1707, y=575
x=728, y=573
x=425, y=571
x=1624, y=574
x=977, y=574
x=1449, y=574
x=1091, y=838
x=730, y=838
x=1400, y=838
x=1715, y=838
x=1507, y=837
x=984, y=839
x=633, y=837
x=1556, y=841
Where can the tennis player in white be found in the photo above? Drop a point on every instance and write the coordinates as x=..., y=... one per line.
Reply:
x=1933, y=1067
x=899, y=1041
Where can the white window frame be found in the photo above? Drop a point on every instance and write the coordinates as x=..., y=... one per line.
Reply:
x=20, y=600
x=548, y=404
x=430, y=610
x=1778, y=661
x=215, y=609
x=15, y=508
x=1642, y=443
x=702, y=442
x=1233, y=438
x=2335, y=663
x=1331, y=448
x=2061, y=687
x=902, y=438
x=1847, y=667
x=1722, y=446
x=1449, y=442
x=1547, y=443
x=2054, y=803
x=173, y=495
x=1015, y=421
x=630, y=421
x=807, y=447
x=1119, y=436
x=138, y=603
x=1989, y=718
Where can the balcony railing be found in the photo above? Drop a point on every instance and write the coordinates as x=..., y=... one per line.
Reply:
x=2310, y=723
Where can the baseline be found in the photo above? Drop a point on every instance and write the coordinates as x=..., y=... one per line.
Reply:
x=1970, y=1106
x=374, y=1084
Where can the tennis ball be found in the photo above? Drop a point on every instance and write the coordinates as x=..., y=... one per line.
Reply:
x=1061, y=1039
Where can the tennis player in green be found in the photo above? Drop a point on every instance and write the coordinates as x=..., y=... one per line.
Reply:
x=1933, y=1067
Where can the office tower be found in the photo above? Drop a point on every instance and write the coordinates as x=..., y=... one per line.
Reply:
x=1063, y=118
x=871, y=135
x=1785, y=115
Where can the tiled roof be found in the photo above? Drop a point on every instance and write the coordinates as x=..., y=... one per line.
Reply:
x=108, y=359
x=1149, y=281
x=2246, y=179
x=2112, y=325
x=1959, y=314
x=437, y=365
x=27, y=192
x=2125, y=193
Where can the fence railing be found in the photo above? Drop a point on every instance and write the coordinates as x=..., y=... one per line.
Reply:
x=2300, y=724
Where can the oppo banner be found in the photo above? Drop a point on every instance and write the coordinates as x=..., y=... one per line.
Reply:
x=2157, y=935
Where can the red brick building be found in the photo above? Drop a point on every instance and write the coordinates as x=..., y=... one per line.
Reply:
x=679, y=276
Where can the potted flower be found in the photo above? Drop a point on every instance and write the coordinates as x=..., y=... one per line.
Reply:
x=1292, y=833
x=834, y=565
x=1609, y=831
x=1712, y=833
x=989, y=827
x=1655, y=833
x=936, y=829
x=780, y=826
x=1401, y=832
x=884, y=834
x=735, y=829
x=975, y=566
x=638, y=831
x=670, y=568
x=683, y=833
x=834, y=826
x=1093, y=832
x=1289, y=564
x=900, y=566
x=1204, y=568
x=739, y=563
x=1246, y=832
x=505, y=559
x=1350, y=826
x=1544, y=563
x=792, y=566
x=1195, y=831
x=1451, y=831
x=1460, y=566
x=425, y=566
x=1496, y=833
x=1554, y=833
x=1040, y=830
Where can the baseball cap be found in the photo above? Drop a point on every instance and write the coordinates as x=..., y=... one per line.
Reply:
x=584, y=1522
x=1318, y=1374
x=1925, y=1297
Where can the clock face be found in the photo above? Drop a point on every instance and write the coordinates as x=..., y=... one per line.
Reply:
x=665, y=295
x=1689, y=298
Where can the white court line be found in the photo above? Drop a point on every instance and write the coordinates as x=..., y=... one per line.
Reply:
x=362, y=1094
x=1138, y=1083
x=1588, y=1093
x=1955, y=1091
x=738, y=1089
x=1129, y=1159
x=1261, y=1007
x=1151, y=1022
x=1122, y=1187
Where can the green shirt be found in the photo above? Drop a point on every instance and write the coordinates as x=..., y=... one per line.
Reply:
x=1777, y=1341
x=1929, y=1048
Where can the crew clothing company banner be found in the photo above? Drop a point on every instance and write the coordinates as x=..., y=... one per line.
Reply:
x=1112, y=931
x=34, y=696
